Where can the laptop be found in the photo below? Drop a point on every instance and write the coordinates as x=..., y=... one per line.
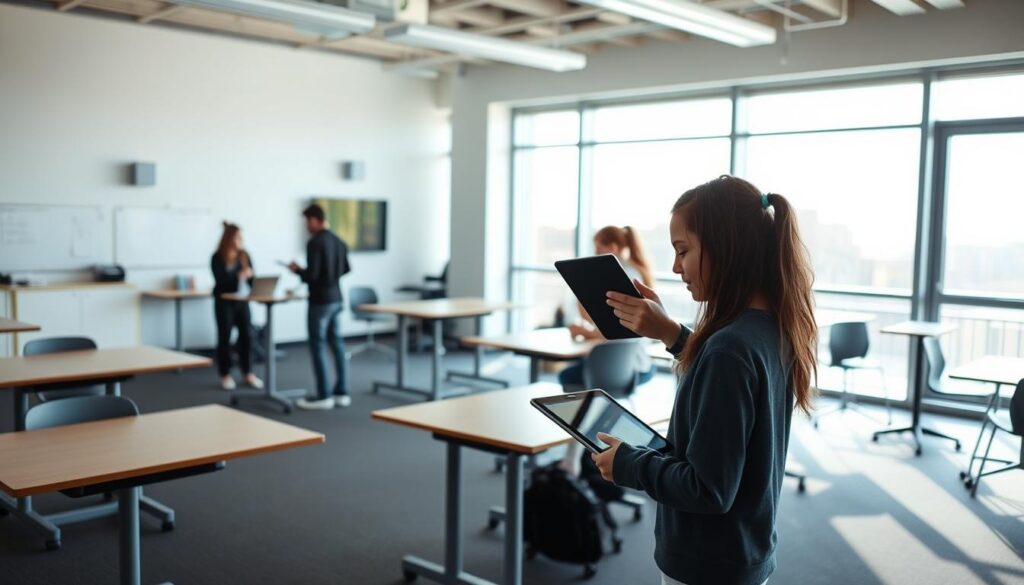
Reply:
x=264, y=286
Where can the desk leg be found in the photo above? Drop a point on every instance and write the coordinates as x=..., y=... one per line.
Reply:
x=128, y=535
x=403, y=348
x=435, y=361
x=177, y=327
x=514, y=519
x=478, y=358
x=534, y=369
x=915, y=427
x=270, y=391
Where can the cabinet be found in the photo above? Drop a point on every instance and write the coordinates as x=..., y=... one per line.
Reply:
x=107, y=313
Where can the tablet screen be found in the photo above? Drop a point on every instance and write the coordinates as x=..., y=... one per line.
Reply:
x=590, y=413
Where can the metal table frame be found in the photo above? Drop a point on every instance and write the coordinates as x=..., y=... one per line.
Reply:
x=270, y=391
x=452, y=573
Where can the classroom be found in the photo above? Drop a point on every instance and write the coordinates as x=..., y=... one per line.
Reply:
x=520, y=292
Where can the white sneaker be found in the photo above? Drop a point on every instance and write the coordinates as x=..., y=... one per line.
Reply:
x=253, y=382
x=307, y=404
x=343, y=401
x=228, y=383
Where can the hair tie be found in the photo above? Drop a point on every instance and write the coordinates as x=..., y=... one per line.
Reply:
x=764, y=201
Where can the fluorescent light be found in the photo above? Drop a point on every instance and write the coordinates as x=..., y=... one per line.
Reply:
x=901, y=7
x=694, y=18
x=324, y=19
x=485, y=47
x=946, y=4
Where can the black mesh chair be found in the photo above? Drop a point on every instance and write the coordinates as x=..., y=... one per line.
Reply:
x=940, y=384
x=848, y=346
x=1012, y=422
x=364, y=295
x=57, y=345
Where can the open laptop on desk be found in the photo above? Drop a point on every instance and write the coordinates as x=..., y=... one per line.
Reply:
x=264, y=286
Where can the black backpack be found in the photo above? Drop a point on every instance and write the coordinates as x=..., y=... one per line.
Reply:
x=565, y=521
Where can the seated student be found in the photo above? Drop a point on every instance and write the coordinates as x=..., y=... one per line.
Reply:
x=232, y=270
x=748, y=362
x=623, y=243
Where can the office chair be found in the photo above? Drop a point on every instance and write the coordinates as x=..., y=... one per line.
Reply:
x=1011, y=422
x=939, y=384
x=364, y=295
x=848, y=349
x=63, y=390
x=429, y=291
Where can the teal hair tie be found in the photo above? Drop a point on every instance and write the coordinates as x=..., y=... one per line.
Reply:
x=764, y=202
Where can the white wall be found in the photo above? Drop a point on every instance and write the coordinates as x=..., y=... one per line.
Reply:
x=248, y=130
x=873, y=40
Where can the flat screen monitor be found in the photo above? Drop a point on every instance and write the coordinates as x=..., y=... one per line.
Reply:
x=362, y=223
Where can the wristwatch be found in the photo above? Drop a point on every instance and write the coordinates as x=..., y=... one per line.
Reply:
x=677, y=347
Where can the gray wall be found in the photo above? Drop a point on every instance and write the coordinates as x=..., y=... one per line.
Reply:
x=873, y=40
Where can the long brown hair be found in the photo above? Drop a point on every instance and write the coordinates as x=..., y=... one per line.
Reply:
x=226, y=247
x=753, y=246
x=626, y=238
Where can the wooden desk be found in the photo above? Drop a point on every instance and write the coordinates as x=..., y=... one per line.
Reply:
x=177, y=296
x=12, y=326
x=554, y=344
x=87, y=454
x=504, y=423
x=108, y=366
x=917, y=330
x=436, y=310
x=995, y=369
x=270, y=391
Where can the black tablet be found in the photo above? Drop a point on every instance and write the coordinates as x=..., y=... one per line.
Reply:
x=584, y=414
x=590, y=280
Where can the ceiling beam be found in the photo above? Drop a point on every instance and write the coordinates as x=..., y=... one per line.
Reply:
x=162, y=13
x=831, y=8
x=69, y=4
x=482, y=16
x=449, y=7
x=522, y=23
x=531, y=7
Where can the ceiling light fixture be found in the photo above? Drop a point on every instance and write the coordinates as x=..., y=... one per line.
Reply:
x=311, y=17
x=694, y=18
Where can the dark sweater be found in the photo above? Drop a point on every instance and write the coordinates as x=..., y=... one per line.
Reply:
x=326, y=263
x=718, y=491
x=225, y=278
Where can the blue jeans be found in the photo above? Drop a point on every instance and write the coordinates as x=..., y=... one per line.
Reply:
x=324, y=323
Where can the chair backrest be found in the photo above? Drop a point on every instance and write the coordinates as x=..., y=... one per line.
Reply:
x=361, y=295
x=69, y=411
x=847, y=340
x=936, y=361
x=1017, y=412
x=57, y=345
x=611, y=366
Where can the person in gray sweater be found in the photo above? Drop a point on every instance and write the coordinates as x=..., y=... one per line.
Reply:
x=749, y=360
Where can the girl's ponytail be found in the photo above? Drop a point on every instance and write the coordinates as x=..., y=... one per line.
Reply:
x=638, y=256
x=794, y=297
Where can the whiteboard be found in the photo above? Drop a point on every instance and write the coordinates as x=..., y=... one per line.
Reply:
x=53, y=237
x=162, y=237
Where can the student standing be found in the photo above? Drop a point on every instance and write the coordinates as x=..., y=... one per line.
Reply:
x=326, y=263
x=232, y=271
x=750, y=358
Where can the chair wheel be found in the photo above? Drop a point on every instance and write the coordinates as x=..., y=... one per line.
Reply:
x=589, y=571
x=287, y=410
x=167, y=526
x=918, y=451
x=617, y=545
x=638, y=515
x=52, y=545
x=958, y=446
x=801, y=486
x=874, y=438
x=963, y=475
x=409, y=576
x=492, y=524
x=969, y=483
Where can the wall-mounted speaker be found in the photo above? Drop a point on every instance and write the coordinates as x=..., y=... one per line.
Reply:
x=144, y=174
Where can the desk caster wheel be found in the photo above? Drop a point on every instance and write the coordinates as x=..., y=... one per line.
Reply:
x=52, y=545
x=409, y=576
x=167, y=526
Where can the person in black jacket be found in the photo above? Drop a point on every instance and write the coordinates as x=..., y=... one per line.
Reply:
x=232, y=267
x=327, y=262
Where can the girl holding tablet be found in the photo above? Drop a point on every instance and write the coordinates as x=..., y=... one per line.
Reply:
x=750, y=359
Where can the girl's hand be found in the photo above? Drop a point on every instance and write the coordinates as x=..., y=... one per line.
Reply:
x=585, y=332
x=645, y=317
x=606, y=458
x=245, y=273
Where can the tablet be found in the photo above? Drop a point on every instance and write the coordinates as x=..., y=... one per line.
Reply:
x=584, y=414
x=590, y=280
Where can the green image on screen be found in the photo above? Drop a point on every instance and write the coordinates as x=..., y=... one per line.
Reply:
x=361, y=223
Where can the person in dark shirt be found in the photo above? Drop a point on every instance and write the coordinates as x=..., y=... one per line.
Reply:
x=749, y=359
x=327, y=262
x=232, y=268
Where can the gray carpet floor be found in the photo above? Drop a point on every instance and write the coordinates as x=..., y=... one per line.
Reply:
x=347, y=511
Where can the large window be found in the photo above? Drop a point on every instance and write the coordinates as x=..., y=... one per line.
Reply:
x=850, y=157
